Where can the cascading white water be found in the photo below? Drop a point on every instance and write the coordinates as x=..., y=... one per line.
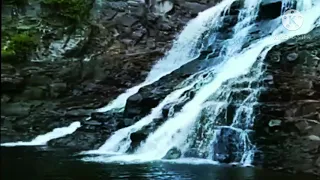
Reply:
x=247, y=15
x=176, y=130
x=44, y=138
x=188, y=38
x=183, y=51
x=119, y=142
x=173, y=134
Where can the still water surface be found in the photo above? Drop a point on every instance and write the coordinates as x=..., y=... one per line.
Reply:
x=40, y=163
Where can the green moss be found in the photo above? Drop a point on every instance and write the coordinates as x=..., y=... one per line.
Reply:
x=19, y=47
x=23, y=43
x=72, y=10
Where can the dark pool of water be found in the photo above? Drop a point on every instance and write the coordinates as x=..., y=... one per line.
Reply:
x=30, y=163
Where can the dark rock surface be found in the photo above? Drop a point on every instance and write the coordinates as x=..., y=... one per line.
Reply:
x=173, y=153
x=288, y=128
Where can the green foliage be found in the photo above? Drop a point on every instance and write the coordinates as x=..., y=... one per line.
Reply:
x=19, y=47
x=7, y=54
x=23, y=42
x=72, y=10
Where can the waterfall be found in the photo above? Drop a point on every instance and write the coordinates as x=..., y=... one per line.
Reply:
x=184, y=49
x=202, y=124
x=176, y=57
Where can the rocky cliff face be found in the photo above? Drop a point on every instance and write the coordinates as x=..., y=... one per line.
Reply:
x=288, y=130
x=82, y=68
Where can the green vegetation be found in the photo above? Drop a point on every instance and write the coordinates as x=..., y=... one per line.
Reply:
x=18, y=47
x=72, y=10
x=7, y=55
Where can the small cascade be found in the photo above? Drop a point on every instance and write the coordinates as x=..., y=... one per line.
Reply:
x=44, y=138
x=120, y=141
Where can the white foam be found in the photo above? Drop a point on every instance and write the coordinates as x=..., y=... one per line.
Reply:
x=43, y=139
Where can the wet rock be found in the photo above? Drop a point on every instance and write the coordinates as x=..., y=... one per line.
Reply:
x=292, y=57
x=230, y=20
x=318, y=162
x=270, y=10
x=136, y=138
x=11, y=83
x=137, y=9
x=194, y=7
x=109, y=14
x=125, y=122
x=78, y=113
x=5, y=98
x=56, y=89
x=7, y=69
x=193, y=153
x=274, y=123
x=294, y=103
x=91, y=123
x=16, y=109
x=119, y=6
x=166, y=110
x=302, y=127
x=107, y=117
x=162, y=7
x=314, y=138
x=140, y=104
x=34, y=93
x=235, y=8
x=38, y=80
x=126, y=20
x=134, y=99
x=225, y=147
x=142, y=134
x=82, y=140
x=173, y=153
